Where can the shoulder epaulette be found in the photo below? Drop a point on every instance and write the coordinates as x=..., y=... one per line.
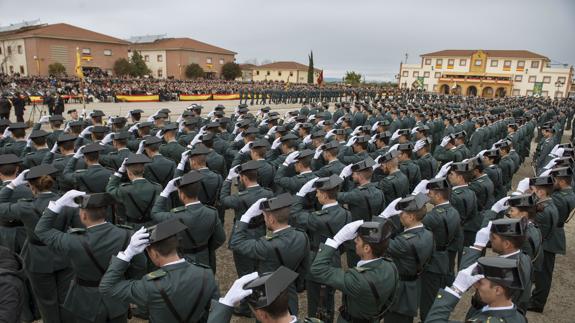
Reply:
x=319, y=213
x=31, y=153
x=124, y=226
x=408, y=235
x=242, y=193
x=125, y=184
x=178, y=209
x=26, y=199
x=361, y=269
x=77, y=230
x=390, y=177
x=201, y=265
x=156, y=274
x=59, y=159
x=80, y=170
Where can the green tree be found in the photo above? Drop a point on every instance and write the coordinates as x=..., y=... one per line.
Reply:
x=194, y=71
x=138, y=66
x=57, y=69
x=352, y=78
x=310, y=69
x=122, y=67
x=231, y=71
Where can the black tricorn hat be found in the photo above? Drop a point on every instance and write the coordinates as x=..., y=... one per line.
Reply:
x=94, y=201
x=267, y=287
x=438, y=184
x=502, y=271
x=375, y=231
x=40, y=170
x=191, y=177
x=362, y=165
x=279, y=202
x=165, y=230
x=8, y=159
x=330, y=145
x=509, y=227
x=328, y=183
x=541, y=181
x=525, y=200
x=562, y=172
x=250, y=165
x=38, y=134
x=412, y=202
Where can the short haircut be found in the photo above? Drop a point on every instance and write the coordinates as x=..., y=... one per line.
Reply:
x=419, y=214
x=99, y=135
x=190, y=191
x=281, y=215
x=8, y=169
x=19, y=133
x=516, y=241
x=93, y=156
x=201, y=159
x=43, y=183
x=259, y=151
x=96, y=214
x=506, y=291
x=279, y=306
x=154, y=147
x=366, y=173
x=305, y=162
x=378, y=249
x=167, y=246
x=136, y=169
x=331, y=194
x=290, y=143
x=444, y=193
x=56, y=123
x=122, y=142
x=208, y=143
x=39, y=141
x=67, y=145
x=252, y=175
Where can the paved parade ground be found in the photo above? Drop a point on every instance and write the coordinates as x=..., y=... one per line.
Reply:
x=559, y=307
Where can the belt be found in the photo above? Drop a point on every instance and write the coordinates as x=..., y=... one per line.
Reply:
x=137, y=221
x=440, y=248
x=37, y=243
x=87, y=283
x=194, y=250
x=408, y=278
x=11, y=224
x=343, y=312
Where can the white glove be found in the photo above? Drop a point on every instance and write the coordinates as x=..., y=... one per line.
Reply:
x=321, y=123
x=160, y=134
x=311, y=117
x=356, y=130
x=500, y=205
x=211, y=114
x=390, y=209
x=253, y=211
x=170, y=187
x=239, y=137
x=466, y=279
x=122, y=168
x=233, y=173
x=237, y=292
x=272, y=131
x=277, y=142
x=351, y=141
x=414, y=130
x=79, y=153
x=246, y=148
x=546, y=173
x=107, y=139
x=65, y=200
x=44, y=120
x=297, y=126
x=54, y=148
x=134, y=127
x=307, y=187
x=138, y=243
x=19, y=180
x=307, y=139
x=127, y=115
x=393, y=148
x=141, y=147
x=86, y=131
x=559, y=152
x=330, y=133
x=375, y=125
x=348, y=232
x=395, y=135
x=339, y=120
x=445, y=141
x=195, y=140
x=551, y=163
x=480, y=154
x=418, y=145
x=553, y=151
x=346, y=171
x=290, y=159
x=28, y=143
x=372, y=139
x=443, y=170
x=7, y=133
x=183, y=159
x=421, y=188
x=263, y=123
x=482, y=236
x=523, y=185
x=317, y=153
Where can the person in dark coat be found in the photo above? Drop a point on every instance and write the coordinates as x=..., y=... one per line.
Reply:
x=12, y=286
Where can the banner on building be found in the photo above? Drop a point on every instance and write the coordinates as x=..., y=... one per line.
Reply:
x=419, y=82
x=537, y=88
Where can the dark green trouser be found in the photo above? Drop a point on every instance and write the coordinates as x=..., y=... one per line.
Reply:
x=430, y=285
x=393, y=317
x=102, y=318
x=543, y=279
x=314, y=294
x=50, y=290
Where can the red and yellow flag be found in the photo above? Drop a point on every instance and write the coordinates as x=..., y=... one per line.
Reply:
x=79, y=71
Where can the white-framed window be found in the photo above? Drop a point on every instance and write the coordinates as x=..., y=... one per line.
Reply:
x=415, y=73
x=428, y=61
x=494, y=63
x=405, y=73
x=478, y=62
x=9, y=50
x=160, y=58
x=437, y=75
x=209, y=60
x=561, y=79
x=534, y=64
x=546, y=79
x=19, y=49
x=86, y=51
x=146, y=58
x=439, y=61
x=107, y=52
x=518, y=78
x=221, y=61
x=462, y=62
x=450, y=62
x=532, y=79
x=520, y=64
x=506, y=64
x=160, y=73
x=426, y=74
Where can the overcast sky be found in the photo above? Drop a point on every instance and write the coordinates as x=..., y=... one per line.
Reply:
x=367, y=36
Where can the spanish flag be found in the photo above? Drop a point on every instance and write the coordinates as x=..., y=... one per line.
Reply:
x=79, y=71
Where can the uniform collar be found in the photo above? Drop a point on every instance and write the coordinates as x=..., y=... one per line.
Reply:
x=279, y=230
x=502, y=308
x=179, y=261
x=329, y=205
x=362, y=263
x=510, y=254
x=458, y=186
x=413, y=228
x=193, y=203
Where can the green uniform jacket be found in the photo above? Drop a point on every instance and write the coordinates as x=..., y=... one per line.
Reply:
x=60, y=161
x=160, y=170
x=428, y=166
x=291, y=184
x=394, y=185
x=483, y=188
x=443, y=221
x=90, y=180
x=211, y=184
x=114, y=159
x=15, y=147
x=564, y=200
x=183, y=283
x=532, y=246
x=38, y=258
x=364, y=201
x=137, y=198
x=410, y=250
x=445, y=304
x=547, y=221
x=496, y=175
x=172, y=150
x=464, y=201
x=204, y=233
x=354, y=283
x=411, y=170
x=34, y=158
x=104, y=241
x=332, y=168
x=12, y=231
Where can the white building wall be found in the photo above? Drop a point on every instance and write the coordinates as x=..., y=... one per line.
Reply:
x=15, y=61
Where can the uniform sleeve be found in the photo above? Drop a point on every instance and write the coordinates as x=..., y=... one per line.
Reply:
x=219, y=235
x=323, y=272
x=113, y=188
x=349, y=197
x=160, y=210
x=220, y=313
x=302, y=218
x=8, y=210
x=398, y=247
x=469, y=256
x=69, y=171
x=227, y=200
x=244, y=245
x=113, y=284
x=442, y=307
x=52, y=237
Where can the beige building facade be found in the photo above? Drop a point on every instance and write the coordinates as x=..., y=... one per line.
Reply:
x=487, y=73
x=287, y=72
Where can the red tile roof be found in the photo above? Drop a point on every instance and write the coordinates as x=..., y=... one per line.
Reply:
x=491, y=53
x=182, y=44
x=285, y=66
x=62, y=31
